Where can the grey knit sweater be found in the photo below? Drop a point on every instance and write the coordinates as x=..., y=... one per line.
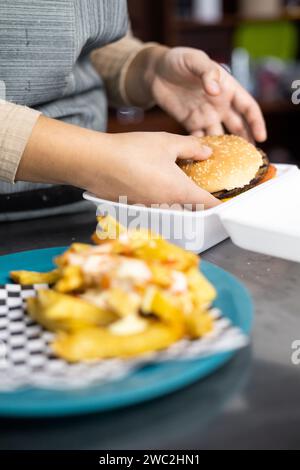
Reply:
x=44, y=58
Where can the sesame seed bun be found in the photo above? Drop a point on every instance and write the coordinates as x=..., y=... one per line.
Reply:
x=234, y=165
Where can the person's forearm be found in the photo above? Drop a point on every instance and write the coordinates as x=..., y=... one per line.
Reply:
x=140, y=74
x=61, y=153
x=114, y=165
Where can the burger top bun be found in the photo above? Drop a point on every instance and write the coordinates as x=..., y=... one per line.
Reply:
x=233, y=164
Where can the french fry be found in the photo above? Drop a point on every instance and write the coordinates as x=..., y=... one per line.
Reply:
x=60, y=312
x=100, y=343
x=110, y=230
x=161, y=305
x=161, y=275
x=71, y=280
x=27, y=278
x=76, y=248
x=163, y=252
x=202, y=291
x=121, y=302
x=199, y=324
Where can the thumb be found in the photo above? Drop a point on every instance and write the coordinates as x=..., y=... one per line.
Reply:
x=192, y=148
x=193, y=194
x=206, y=69
x=211, y=81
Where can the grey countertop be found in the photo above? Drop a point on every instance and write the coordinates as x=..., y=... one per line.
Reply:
x=252, y=403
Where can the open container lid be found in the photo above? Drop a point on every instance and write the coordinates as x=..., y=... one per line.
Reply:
x=269, y=222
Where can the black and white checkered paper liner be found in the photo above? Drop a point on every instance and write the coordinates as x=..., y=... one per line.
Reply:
x=26, y=359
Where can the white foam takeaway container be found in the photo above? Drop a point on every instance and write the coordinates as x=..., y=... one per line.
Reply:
x=265, y=219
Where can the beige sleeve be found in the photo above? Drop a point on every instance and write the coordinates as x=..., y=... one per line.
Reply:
x=16, y=124
x=112, y=62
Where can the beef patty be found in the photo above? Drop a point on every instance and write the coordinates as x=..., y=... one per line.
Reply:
x=259, y=176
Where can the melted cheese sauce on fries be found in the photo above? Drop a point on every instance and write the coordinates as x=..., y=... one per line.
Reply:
x=123, y=297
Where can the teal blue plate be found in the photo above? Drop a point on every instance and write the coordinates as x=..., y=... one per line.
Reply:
x=148, y=383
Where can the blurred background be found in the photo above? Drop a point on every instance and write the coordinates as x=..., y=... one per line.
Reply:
x=258, y=39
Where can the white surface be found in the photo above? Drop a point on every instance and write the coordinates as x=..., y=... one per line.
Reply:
x=209, y=11
x=265, y=219
x=269, y=223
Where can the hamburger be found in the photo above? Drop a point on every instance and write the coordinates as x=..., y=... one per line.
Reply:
x=234, y=167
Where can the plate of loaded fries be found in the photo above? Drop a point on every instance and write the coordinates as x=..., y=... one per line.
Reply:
x=125, y=319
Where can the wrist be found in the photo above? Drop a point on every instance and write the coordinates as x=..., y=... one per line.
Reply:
x=141, y=75
x=154, y=57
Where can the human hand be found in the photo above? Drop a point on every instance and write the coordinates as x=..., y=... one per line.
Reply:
x=142, y=166
x=201, y=94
